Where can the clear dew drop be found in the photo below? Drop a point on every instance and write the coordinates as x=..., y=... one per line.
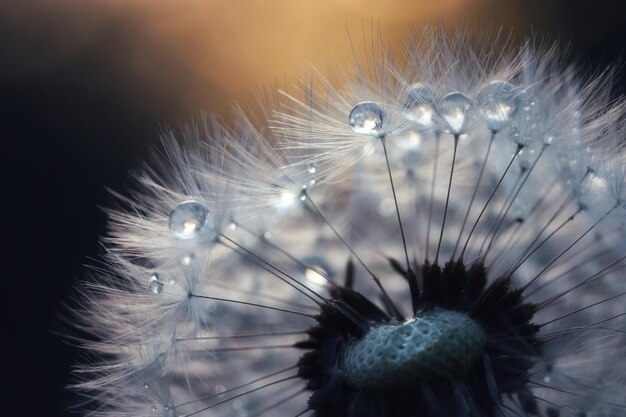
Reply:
x=550, y=137
x=285, y=199
x=311, y=168
x=315, y=275
x=455, y=110
x=386, y=207
x=317, y=270
x=498, y=102
x=420, y=106
x=156, y=286
x=411, y=142
x=187, y=259
x=525, y=121
x=189, y=220
x=367, y=118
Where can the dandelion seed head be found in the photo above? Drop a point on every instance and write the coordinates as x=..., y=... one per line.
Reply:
x=436, y=235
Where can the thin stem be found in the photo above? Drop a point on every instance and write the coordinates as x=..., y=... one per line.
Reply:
x=386, y=296
x=583, y=308
x=262, y=262
x=570, y=246
x=445, y=211
x=208, y=397
x=432, y=193
x=241, y=395
x=240, y=336
x=395, y=200
x=510, y=204
x=469, y=207
x=555, y=231
x=519, y=149
x=228, y=300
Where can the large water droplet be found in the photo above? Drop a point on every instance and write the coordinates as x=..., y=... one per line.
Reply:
x=498, y=102
x=189, y=220
x=156, y=286
x=367, y=118
x=455, y=110
x=420, y=105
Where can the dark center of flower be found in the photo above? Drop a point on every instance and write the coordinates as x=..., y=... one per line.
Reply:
x=467, y=345
x=434, y=345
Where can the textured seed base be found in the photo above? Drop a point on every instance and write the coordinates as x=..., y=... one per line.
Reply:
x=435, y=345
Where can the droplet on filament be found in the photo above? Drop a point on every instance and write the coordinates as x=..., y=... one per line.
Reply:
x=367, y=118
x=420, y=106
x=455, y=110
x=498, y=103
x=189, y=220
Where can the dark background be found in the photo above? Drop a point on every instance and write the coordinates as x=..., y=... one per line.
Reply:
x=86, y=87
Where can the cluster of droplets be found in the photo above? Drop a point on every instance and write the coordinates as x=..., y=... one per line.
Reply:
x=497, y=104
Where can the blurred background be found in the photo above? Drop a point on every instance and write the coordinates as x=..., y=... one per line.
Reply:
x=87, y=86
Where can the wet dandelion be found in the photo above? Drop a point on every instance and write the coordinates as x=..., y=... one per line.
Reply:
x=443, y=237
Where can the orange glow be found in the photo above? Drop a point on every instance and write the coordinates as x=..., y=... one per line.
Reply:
x=204, y=54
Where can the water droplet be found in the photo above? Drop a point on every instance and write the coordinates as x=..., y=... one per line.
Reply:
x=232, y=226
x=187, y=260
x=189, y=220
x=387, y=207
x=420, y=105
x=367, y=118
x=317, y=270
x=498, y=102
x=154, y=409
x=455, y=110
x=285, y=199
x=311, y=168
x=550, y=137
x=146, y=386
x=156, y=286
x=315, y=275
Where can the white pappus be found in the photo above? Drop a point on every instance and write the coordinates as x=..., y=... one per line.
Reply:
x=436, y=235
